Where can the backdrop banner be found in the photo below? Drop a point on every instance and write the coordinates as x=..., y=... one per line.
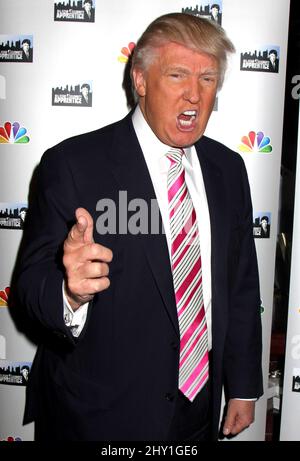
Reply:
x=62, y=73
x=290, y=416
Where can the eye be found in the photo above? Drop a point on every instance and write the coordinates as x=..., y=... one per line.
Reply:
x=176, y=75
x=209, y=79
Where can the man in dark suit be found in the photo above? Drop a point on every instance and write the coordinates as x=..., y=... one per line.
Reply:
x=86, y=99
x=273, y=61
x=105, y=290
x=26, y=50
x=265, y=227
x=89, y=11
x=215, y=13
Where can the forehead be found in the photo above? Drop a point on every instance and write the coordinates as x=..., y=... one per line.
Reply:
x=175, y=54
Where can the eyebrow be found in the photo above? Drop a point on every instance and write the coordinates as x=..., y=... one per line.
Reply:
x=187, y=71
x=177, y=69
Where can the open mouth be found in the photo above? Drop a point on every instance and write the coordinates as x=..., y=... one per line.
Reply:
x=187, y=119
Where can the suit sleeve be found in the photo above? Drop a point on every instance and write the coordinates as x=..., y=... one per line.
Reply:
x=39, y=273
x=243, y=347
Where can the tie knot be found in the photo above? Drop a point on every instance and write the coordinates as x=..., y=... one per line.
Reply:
x=175, y=155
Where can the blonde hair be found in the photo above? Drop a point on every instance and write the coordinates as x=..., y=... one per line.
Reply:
x=198, y=34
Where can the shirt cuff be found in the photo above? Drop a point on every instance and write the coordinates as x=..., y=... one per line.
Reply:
x=74, y=320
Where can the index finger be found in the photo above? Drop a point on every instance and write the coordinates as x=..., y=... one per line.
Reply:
x=86, y=224
x=82, y=231
x=95, y=252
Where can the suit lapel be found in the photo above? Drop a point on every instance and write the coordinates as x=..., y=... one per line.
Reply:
x=131, y=173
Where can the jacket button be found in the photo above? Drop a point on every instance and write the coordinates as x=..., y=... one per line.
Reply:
x=169, y=397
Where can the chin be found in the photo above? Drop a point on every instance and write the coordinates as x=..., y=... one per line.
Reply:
x=186, y=141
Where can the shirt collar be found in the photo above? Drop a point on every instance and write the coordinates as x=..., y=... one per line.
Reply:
x=148, y=140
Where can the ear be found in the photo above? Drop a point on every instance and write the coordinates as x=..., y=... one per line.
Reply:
x=139, y=82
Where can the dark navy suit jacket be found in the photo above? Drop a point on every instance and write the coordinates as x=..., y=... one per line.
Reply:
x=119, y=379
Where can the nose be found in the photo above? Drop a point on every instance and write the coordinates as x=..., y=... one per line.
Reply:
x=192, y=91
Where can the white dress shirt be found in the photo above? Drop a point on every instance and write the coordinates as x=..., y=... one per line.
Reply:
x=75, y=320
x=158, y=165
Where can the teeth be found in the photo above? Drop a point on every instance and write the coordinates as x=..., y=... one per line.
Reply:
x=185, y=123
x=190, y=112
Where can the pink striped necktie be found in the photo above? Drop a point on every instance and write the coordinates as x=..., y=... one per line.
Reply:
x=187, y=280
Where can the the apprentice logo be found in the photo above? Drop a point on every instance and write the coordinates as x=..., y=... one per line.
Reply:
x=16, y=48
x=265, y=59
x=75, y=11
x=76, y=95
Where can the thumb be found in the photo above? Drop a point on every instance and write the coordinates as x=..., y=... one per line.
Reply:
x=82, y=231
x=229, y=422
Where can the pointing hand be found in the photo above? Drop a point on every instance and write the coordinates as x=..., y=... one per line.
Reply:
x=85, y=262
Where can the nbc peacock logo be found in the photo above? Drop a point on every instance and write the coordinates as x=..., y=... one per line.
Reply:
x=4, y=294
x=256, y=143
x=11, y=438
x=126, y=52
x=13, y=133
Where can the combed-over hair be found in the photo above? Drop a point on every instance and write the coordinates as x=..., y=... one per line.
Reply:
x=196, y=33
